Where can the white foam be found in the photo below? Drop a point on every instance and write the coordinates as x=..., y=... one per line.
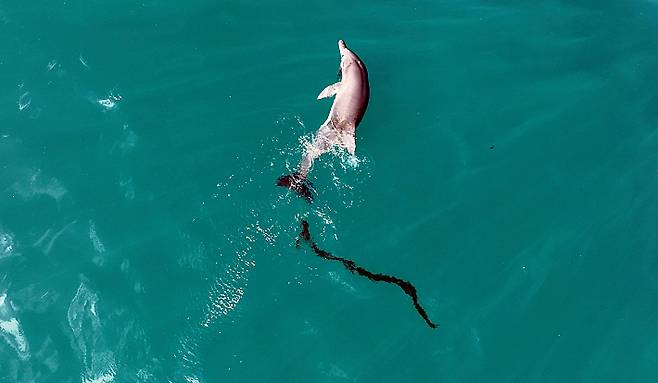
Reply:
x=97, y=243
x=24, y=101
x=336, y=278
x=107, y=103
x=55, y=237
x=110, y=102
x=228, y=289
x=37, y=184
x=11, y=330
x=7, y=245
x=145, y=375
x=51, y=65
x=128, y=188
x=104, y=377
x=130, y=139
x=98, y=361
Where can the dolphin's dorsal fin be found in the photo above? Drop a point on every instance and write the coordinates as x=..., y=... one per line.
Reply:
x=329, y=91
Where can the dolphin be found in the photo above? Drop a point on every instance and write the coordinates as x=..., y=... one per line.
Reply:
x=351, y=93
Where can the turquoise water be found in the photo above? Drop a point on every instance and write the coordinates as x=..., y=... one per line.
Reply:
x=507, y=166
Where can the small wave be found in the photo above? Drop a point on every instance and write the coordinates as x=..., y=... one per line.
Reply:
x=83, y=61
x=99, y=247
x=7, y=245
x=128, y=188
x=110, y=101
x=337, y=279
x=51, y=65
x=129, y=140
x=93, y=236
x=228, y=289
x=98, y=361
x=11, y=329
x=24, y=101
x=104, y=377
x=37, y=184
x=47, y=246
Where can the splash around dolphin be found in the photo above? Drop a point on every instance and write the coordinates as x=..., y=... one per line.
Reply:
x=351, y=100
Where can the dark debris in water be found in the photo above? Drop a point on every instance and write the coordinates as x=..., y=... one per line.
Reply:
x=407, y=287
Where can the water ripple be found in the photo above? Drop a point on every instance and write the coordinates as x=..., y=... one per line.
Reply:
x=11, y=329
x=98, y=361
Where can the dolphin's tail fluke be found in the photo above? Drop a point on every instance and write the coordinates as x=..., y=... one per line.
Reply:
x=299, y=184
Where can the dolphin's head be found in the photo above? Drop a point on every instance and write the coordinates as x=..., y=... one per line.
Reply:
x=346, y=56
x=341, y=46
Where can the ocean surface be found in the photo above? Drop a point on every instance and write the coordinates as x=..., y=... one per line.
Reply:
x=507, y=166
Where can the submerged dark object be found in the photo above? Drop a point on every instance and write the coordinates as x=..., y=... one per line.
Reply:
x=298, y=184
x=407, y=287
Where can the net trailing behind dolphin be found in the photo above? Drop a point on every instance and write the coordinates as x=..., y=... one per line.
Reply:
x=406, y=286
x=351, y=93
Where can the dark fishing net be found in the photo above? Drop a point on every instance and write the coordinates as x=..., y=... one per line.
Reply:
x=407, y=287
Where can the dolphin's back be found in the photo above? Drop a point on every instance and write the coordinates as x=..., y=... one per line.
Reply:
x=352, y=100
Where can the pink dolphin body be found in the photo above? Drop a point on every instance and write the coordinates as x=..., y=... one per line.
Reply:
x=351, y=100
